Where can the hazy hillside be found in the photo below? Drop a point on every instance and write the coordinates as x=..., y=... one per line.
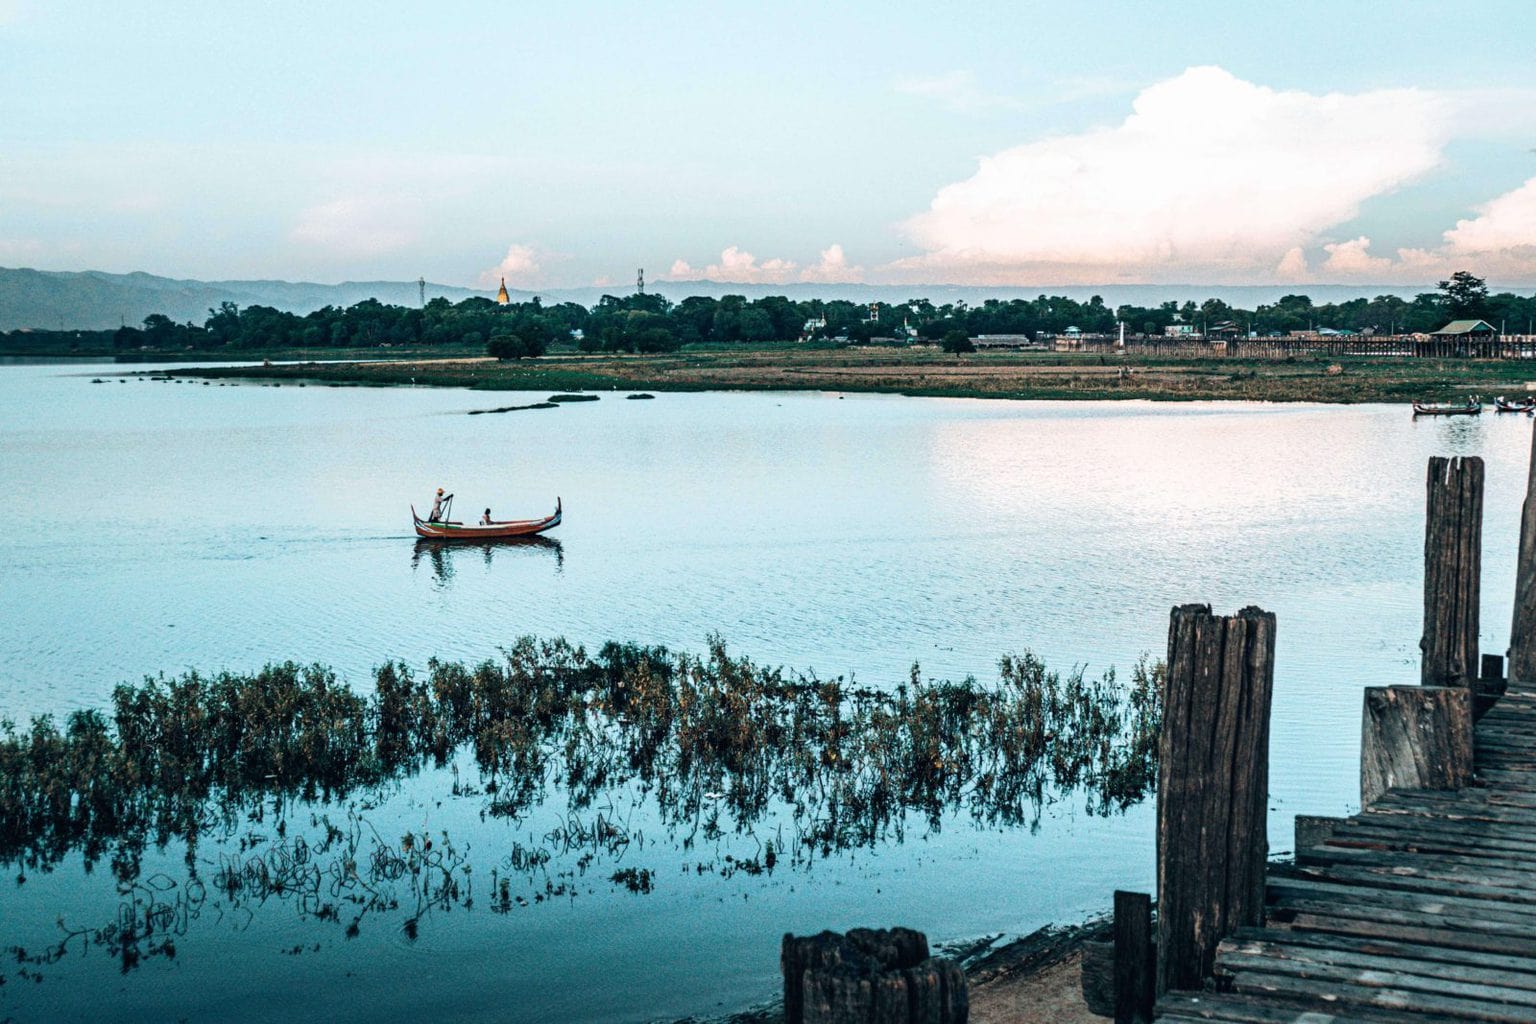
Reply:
x=95, y=300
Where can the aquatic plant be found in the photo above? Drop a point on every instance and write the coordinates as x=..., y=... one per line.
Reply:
x=844, y=764
x=712, y=745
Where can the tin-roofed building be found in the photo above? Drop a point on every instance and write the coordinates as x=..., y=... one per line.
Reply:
x=1480, y=330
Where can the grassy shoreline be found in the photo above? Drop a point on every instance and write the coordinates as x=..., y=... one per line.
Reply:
x=922, y=372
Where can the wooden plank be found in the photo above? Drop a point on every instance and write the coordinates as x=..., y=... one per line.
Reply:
x=1406, y=880
x=1208, y=1007
x=1444, y=827
x=1213, y=786
x=1364, y=969
x=1460, y=922
x=1384, y=995
x=1502, y=871
x=1413, y=929
x=1408, y=951
x=1356, y=895
x=1428, y=842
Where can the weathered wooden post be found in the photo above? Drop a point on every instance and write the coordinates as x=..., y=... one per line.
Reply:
x=1135, y=959
x=1453, y=544
x=1522, y=631
x=870, y=976
x=1414, y=737
x=1213, y=786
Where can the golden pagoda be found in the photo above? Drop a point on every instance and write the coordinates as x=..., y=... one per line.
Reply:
x=502, y=298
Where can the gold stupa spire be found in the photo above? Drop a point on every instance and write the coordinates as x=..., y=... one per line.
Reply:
x=502, y=298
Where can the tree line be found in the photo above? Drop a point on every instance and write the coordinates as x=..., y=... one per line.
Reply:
x=649, y=323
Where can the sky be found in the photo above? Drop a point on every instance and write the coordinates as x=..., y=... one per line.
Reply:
x=566, y=145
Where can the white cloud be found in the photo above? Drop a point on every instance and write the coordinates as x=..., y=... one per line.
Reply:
x=736, y=266
x=1353, y=259
x=1504, y=227
x=522, y=266
x=354, y=227
x=1293, y=265
x=1209, y=178
x=1500, y=242
x=832, y=268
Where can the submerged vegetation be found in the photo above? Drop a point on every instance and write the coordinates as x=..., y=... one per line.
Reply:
x=710, y=746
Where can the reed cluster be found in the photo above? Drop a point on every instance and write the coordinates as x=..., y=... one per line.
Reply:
x=716, y=741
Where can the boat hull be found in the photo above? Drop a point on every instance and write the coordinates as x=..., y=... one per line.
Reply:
x=1420, y=409
x=505, y=530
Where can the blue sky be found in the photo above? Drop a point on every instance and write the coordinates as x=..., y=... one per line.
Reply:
x=567, y=144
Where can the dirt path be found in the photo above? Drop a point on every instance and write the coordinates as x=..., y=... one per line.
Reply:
x=1049, y=995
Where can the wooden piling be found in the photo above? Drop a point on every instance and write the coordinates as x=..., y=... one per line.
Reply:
x=1414, y=737
x=1453, y=543
x=870, y=976
x=1213, y=786
x=1135, y=959
x=1522, y=631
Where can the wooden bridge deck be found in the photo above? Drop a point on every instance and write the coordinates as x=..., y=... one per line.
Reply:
x=1422, y=908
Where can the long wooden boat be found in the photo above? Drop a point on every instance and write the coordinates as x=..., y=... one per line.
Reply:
x=1468, y=408
x=1517, y=405
x=453, y=530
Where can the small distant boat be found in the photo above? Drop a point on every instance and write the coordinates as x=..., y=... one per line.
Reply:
x=1467, y=408
x=452, y=530
x=1517, y=405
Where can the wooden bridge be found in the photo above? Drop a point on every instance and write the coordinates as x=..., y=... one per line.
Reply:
x=1421, y=908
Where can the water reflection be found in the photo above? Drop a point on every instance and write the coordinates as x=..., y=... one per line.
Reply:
x=442, y=554
x=272, y=782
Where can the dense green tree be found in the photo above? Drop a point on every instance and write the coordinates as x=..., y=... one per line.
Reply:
x=958, y=342
x=650, y=323
x=1466, y=296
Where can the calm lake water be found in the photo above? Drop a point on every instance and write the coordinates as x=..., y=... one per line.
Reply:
x=160, y=527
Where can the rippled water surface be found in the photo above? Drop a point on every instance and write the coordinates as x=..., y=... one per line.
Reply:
x=157, y=527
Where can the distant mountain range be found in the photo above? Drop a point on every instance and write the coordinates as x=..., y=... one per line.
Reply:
x=94, y=300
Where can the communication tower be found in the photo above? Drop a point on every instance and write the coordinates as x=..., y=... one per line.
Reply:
x=640, y=281
x=421, y=290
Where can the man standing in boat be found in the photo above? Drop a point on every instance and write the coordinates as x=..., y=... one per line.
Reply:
x=439, y=506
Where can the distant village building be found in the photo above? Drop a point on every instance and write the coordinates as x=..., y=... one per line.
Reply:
x=502, y=298
x=1005, y=341
x=1179, y=331
x=1477, y=330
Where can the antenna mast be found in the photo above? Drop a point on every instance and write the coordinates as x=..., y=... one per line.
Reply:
x=640, y=280
x=421, y=288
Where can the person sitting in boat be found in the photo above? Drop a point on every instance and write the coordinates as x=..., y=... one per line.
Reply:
x=486, y=519
x=439, y=504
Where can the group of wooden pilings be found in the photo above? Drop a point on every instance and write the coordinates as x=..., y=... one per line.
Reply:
x=1212, y=834
x=1213, y=787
